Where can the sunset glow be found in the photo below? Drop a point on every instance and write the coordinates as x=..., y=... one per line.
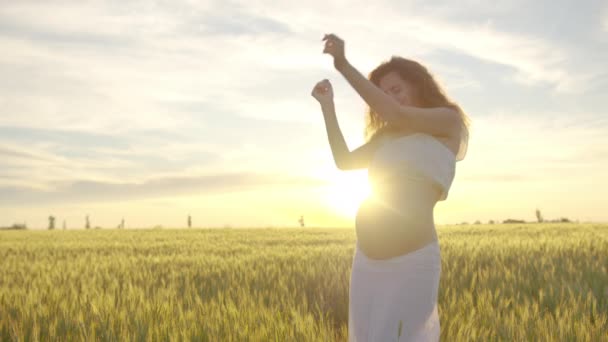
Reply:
x=347, y=192
x=152, y=111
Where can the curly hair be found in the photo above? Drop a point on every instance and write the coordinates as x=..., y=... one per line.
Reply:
x=427, y=94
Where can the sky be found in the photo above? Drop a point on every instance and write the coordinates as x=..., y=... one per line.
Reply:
x=150, y=111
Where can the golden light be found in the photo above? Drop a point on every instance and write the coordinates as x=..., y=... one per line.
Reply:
x=346, y=191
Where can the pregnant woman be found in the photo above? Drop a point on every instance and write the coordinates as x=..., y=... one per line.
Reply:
x=414, y=136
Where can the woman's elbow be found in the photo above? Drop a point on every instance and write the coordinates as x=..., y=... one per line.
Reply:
x=341, y=166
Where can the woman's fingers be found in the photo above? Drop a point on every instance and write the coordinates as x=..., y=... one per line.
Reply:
x=329, y=35
x=331, y=38
x=322, y=86
x=318, y=88
x=321, y=89
x=333, y=45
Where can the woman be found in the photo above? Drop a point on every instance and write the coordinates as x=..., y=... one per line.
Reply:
x=414, y=136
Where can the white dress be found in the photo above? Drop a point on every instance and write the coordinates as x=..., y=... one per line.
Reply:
x=396, y=299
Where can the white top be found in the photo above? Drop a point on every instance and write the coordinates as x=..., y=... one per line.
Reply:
x=414, y=155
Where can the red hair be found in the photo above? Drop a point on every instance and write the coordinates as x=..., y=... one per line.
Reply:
x=427, y=94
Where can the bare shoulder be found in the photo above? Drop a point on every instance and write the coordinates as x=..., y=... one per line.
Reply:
x=452, y=142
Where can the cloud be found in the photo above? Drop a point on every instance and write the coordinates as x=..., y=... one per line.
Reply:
x=53, y=80
x=18, y=153
x=228, y=19
x=110, y=64
x=40, y=158
x=536, y=147
x=535, y=57
x=101, y=23
x=148, y=96
x=498, y=178
x=97, y=191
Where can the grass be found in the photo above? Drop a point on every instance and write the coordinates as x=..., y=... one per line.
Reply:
x=499, y=282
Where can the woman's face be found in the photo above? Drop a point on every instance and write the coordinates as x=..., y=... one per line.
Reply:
x=394, y=86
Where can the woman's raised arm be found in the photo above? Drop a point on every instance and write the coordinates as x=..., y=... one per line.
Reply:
x=438, y=121
x=344, y=159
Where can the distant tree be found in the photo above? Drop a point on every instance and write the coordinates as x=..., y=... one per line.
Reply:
x=539, y=216
x=301, y=221
x=477, y=222
x=189, y=221
x=564, y=219
x=464, y=223
x=16, y=226
x=513, y=221
x=51, y=222
x=87, y=223
x=64, y=227
x=491, y=222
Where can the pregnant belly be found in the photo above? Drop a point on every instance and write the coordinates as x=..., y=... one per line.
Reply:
x=388, y=227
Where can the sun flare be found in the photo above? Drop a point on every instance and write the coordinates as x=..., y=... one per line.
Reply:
x=346, y=192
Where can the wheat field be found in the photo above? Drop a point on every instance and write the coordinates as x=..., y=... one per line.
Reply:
x=506, y=282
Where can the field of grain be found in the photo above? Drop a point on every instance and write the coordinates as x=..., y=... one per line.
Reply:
x=498, y=282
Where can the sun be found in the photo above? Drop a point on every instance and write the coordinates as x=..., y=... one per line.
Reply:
x=346, y=191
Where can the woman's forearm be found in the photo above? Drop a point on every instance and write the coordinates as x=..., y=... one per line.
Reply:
x=338, y=146
x=381, y=103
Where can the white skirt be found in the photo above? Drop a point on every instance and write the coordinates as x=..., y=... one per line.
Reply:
x=395, y=299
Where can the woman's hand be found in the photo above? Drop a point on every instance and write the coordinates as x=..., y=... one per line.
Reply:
x=323, y=92
x=334, y=46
